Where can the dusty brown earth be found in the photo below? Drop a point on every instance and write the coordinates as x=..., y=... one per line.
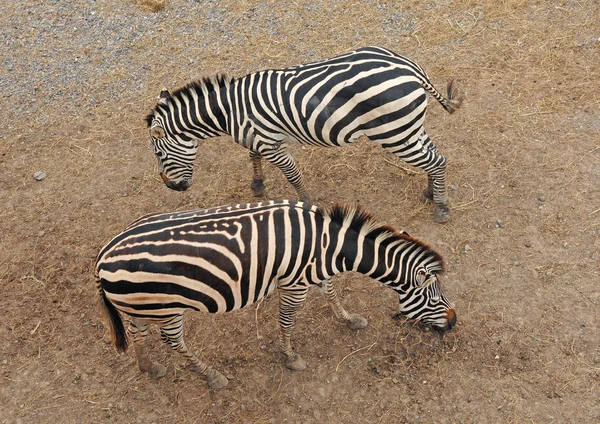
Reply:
x=522, y=245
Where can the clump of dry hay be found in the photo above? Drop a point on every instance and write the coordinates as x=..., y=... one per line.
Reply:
x=152, y=5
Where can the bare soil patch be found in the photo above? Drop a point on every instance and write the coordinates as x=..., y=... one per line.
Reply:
x=522, y=247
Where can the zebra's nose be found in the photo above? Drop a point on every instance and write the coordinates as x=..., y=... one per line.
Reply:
x=451, y=317
x=450, y=321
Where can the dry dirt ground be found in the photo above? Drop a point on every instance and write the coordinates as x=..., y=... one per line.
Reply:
x=522, y=247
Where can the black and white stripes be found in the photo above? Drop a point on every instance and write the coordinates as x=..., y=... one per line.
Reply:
x=225, y=258
x=369, y=92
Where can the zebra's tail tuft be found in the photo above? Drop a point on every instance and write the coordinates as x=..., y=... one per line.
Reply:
x=454, y=100
x=118, y=336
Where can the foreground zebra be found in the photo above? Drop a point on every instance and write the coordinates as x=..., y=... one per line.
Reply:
x=371, y=91
x=225, y=258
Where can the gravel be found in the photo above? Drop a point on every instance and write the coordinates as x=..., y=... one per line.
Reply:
x=78, y=55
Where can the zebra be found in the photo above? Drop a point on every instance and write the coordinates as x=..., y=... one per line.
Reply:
x=225, y=258
x=369, y=92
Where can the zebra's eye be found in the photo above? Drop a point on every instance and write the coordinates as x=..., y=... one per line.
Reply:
x=421, y=277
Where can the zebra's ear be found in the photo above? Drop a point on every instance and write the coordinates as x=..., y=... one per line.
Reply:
x=164, y=96
x=405, y=233
x=157, y=132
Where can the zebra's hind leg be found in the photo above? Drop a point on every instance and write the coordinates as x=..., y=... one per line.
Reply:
x=138, y=331
x=171, y=332
x=422, y=153
x=353, y=321
x=258, y=184
x=289, y=302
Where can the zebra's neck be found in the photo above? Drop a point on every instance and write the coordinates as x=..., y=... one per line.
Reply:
x=356, y=242
x=203, y=107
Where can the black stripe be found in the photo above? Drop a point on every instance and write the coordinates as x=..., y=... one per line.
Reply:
x=126, y=287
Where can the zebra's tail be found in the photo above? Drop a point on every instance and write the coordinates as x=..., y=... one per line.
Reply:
x=454, y=100
x=118, y=336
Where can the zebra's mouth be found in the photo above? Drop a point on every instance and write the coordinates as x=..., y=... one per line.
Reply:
x=442, y=329
x=181, y=185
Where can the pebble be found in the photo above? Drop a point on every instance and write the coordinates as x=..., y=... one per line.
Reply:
x=542, y=198
x=452, y=187
x=39, y=175
x=499, y=223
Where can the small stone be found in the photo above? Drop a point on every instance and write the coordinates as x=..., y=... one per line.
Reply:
x=39, y=175
x=499, y=223
x=542, y=198
x=467, y=248
x=452, y=187
x=465, y=185
x=41, y=233
x=497, y=357
x=565, y=244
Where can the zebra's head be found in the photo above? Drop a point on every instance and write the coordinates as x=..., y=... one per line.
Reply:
x=174, y=149
x=422, y=298
x=405, y=264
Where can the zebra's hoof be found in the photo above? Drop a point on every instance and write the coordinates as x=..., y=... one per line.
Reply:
x=295, y=363
x=441, y=214
x=258, y=189
x=157, y=371
x=216, y=380
x=356, y=322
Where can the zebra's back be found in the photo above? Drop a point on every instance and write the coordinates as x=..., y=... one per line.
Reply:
x=212, y=260
x=370, y=91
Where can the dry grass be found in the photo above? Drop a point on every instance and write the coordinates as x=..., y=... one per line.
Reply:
x=525, y=348
x=153, y=5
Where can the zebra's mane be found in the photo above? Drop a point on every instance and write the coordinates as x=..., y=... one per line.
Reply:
x=355, y=218
x=200, y=86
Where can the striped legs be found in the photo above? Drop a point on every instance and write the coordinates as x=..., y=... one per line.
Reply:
x=354, y=321
x=171, y=333
x=289, y=303
x=138, y=331
x=277, y=154
x=258, y=184
x=422, y=153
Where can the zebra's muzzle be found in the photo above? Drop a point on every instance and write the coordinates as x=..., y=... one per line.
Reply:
x=181, y=185
x=450, y=323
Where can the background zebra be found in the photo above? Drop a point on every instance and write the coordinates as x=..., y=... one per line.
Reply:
x=225, y=258
x=371, y=91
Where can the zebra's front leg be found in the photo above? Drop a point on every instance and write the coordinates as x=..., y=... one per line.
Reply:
x=258, y=184
x=354, y=321
x=138, y=330
x=171, y=332
x=285, y=162
x=289, y=303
